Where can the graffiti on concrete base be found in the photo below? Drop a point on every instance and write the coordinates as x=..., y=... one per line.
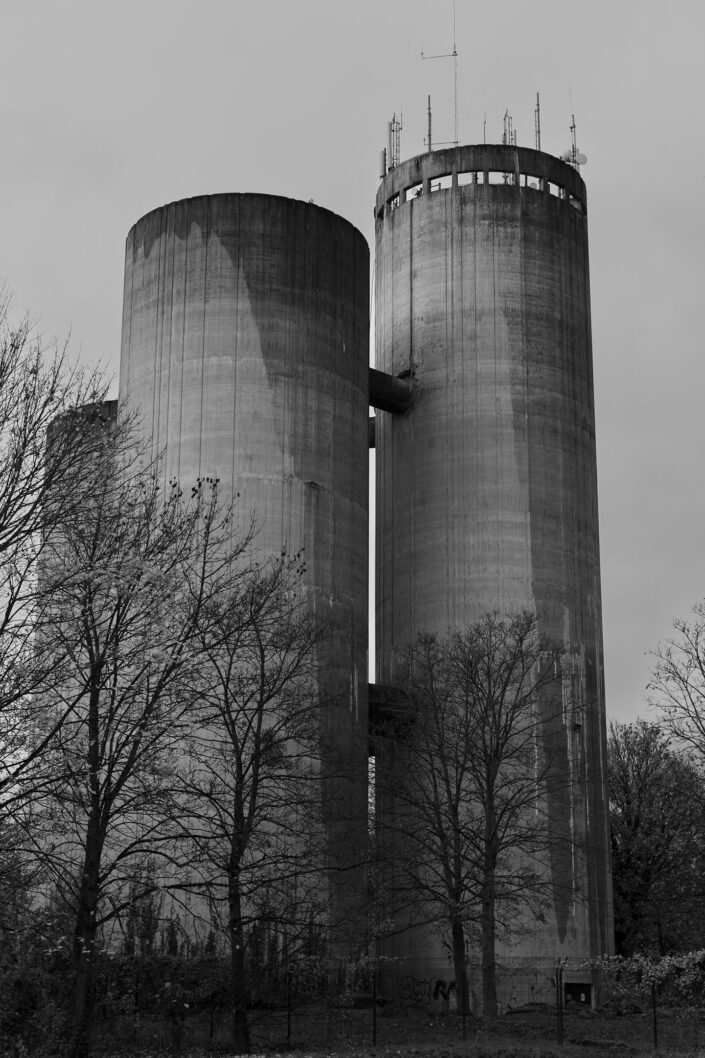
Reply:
x=415, y=989
x=443, y=990
x=424, y=989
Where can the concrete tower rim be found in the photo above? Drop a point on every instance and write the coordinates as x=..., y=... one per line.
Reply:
x=418, y=171
x=250, y=196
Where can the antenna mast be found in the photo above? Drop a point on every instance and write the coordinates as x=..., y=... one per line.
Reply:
x=573, y=156
x=429, y=141
x=537, y=123
x=455, y=83
x=394, y=141
x=509, y=136
x=454, y=56
x=573, y=141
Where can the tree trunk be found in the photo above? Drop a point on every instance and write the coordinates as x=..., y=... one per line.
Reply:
x=459, y=966
x=240, y=1029
x=84, y=944
x=83, y=998
x=488, y=928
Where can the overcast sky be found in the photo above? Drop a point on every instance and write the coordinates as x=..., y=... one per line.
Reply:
x=109, y=110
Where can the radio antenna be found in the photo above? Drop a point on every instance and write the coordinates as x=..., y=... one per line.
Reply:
x=454, y=56
x=537, y=123
x=573, y=141
x=455, y=83
x=394, y=141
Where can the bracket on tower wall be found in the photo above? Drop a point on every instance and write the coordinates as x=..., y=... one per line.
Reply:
x=389, y=393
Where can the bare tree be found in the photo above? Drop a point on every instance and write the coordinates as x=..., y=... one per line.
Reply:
x=677, y=685
x=251, y=774
x=37, y=385
x=127, y=578
x=658, y=842
x=467, y=791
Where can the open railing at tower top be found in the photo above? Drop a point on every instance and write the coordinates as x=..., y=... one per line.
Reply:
x=481, y=166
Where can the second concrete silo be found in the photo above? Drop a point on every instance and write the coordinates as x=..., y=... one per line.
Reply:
x=245, y=348
x=486, y=489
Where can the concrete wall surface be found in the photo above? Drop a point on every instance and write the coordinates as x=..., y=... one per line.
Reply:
x=486, y=488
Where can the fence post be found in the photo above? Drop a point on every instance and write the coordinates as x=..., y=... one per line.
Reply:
x=374, y=1008
x=559, y=1003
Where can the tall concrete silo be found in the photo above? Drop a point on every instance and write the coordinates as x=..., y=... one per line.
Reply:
x=486, y=488
x=245, y=347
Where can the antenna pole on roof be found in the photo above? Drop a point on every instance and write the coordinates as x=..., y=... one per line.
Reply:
x=537, y=123
x=430, y=141
x=454, y=56
x=574, y=142
x=455, y=83
x=508, y=136
x=394, y=141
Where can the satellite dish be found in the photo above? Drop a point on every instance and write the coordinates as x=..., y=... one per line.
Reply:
x=581, y=159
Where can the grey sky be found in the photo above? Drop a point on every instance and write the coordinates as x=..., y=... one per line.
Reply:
x=108, y=110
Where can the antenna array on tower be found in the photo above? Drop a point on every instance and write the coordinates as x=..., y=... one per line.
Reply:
x=509, y=136
x=573, y=156
x=394, y=141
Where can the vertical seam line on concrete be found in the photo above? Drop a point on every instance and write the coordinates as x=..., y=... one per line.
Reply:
x=204, y=365
x=459, y=409
x=381, y=624
x=411, y=447
x=300, y=222
x=235, y=351
x=494, y=532
x=292, y=239
x=450, y=358
x=526, y=355
x=161, y=295
x=132, y=312
x=155, y=361
x=171, y=235
x=183, y=332
x=475, y=426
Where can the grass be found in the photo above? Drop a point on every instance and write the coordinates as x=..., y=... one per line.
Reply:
x=320, y=1031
